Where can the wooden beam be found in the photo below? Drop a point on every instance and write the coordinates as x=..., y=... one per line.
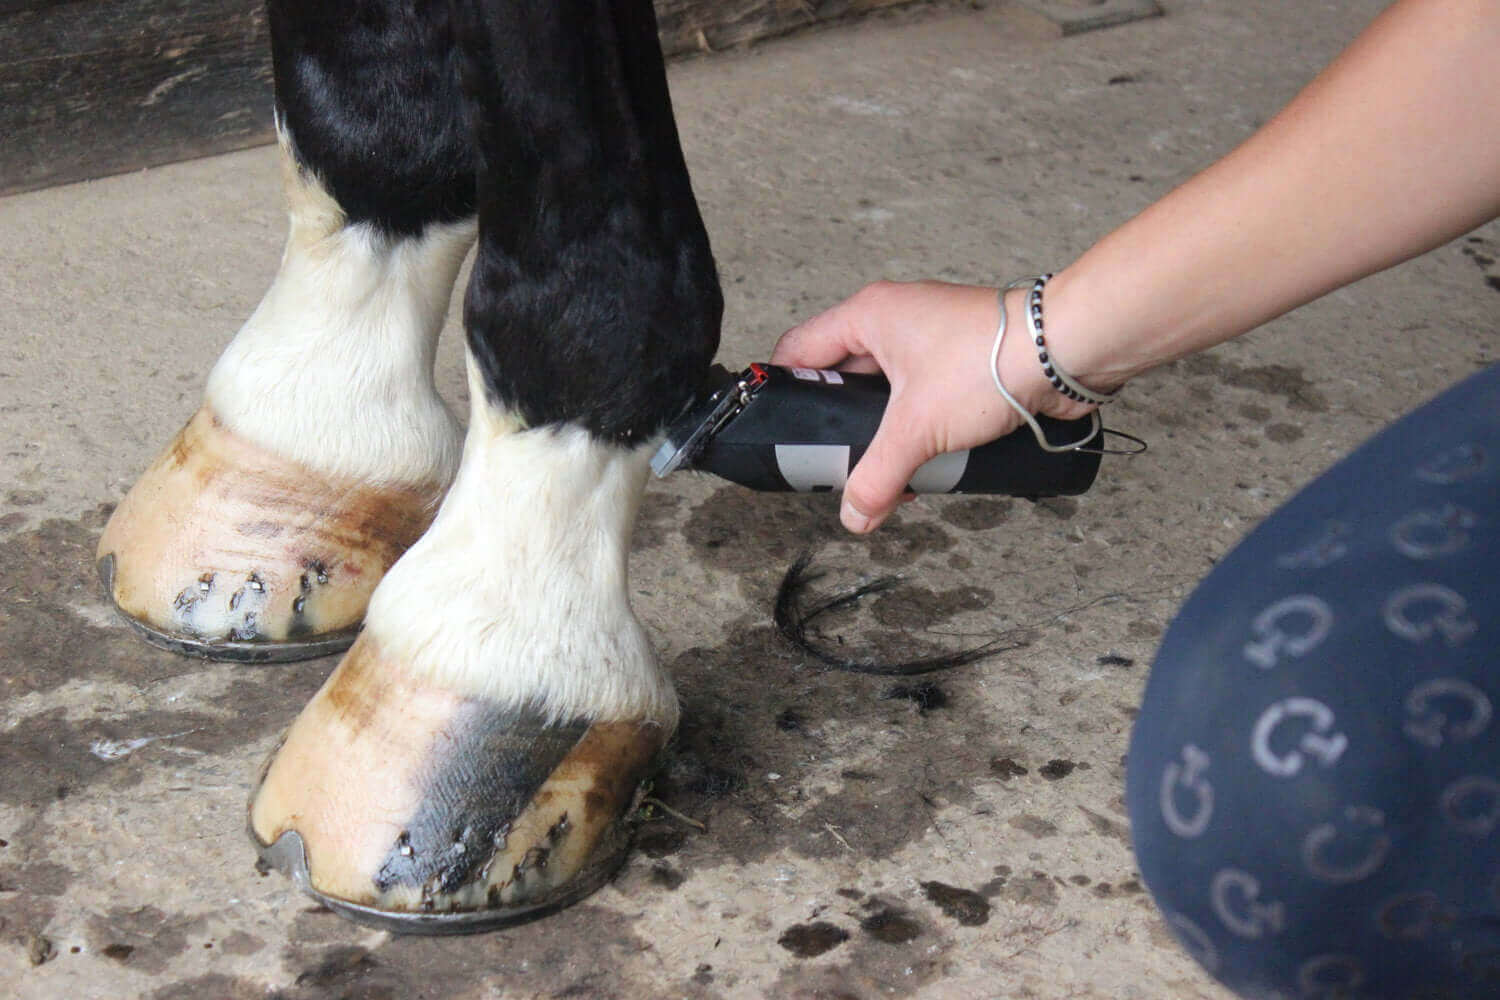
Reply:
x=96, y=87
x=90, y=88
x=712, y=25
x=1072, y=17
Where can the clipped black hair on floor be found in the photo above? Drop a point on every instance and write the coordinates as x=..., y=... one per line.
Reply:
x=792, y=619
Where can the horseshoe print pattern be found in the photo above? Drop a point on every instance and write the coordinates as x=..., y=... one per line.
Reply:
x=1314, y=779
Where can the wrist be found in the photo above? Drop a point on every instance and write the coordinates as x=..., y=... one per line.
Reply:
x=1021, y=368
x=1080, y=339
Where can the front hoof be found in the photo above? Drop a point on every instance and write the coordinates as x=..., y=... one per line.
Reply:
x=225, y=550
x=414, y=809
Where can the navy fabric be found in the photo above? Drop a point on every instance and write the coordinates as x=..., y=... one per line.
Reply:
x=1314, y=777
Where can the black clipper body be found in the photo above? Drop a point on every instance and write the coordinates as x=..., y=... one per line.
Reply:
x=798, y=429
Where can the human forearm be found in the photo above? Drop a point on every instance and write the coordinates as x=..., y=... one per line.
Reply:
x=1392, y=150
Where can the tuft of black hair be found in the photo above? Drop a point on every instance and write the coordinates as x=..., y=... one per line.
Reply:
x=792, y=619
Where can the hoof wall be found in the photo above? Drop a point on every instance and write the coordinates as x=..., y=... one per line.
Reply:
x=416, y=809
x=225, y=649
x=288, y=855
x=226, y=551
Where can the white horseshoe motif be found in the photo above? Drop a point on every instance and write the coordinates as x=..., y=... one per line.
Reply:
x=1236, y=899
x=1412, y=916
x=1314, y=844
x=1188, y=776
x=1324, y=550
x=1453, y=465
x=1429, y=725
x=1330, y=976
x=1452, y=621
x=1433, y=532
x=1271, y=639
x=1475, y=786
x=1324, y=747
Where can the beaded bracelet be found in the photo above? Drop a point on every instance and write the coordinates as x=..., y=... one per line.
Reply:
x=1061, y=380
x=1015, y=404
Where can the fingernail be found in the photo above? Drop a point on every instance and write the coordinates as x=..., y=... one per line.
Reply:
x=853, y=519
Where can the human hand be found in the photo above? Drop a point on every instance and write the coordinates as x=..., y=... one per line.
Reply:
x=932, y=341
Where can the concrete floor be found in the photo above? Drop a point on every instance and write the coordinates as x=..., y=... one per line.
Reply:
x=966, y=840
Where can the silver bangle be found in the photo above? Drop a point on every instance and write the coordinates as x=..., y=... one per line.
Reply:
x=1015, y=404
x=1061, y=380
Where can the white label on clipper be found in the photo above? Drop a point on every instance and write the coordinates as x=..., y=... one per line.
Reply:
x=941, y=474
x=809, y=467
x=818, y=375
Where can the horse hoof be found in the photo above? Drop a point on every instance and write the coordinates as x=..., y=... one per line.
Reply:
x=225, y=550
x=417, y=810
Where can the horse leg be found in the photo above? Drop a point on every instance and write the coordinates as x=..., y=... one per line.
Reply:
x=471, y=760
x=321, y=447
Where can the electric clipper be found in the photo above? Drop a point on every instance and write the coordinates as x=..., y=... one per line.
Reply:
x=800, y=429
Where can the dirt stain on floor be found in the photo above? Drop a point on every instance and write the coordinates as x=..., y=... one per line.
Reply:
x=891, y=925
x=753, y=707
x=890, y=953
x=57, y=629
x=143, y=938
x=812, y=939
x=915, y=607
x=757, y=535
x=741, y=531
x=1285, y=381
x=584, y=951
x=966, y=906
x=977, y=513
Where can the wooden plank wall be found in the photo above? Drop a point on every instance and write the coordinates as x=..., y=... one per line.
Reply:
x=96, y=87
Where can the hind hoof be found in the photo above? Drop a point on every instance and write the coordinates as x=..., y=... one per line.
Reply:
x=417, y=810
x=224, y=550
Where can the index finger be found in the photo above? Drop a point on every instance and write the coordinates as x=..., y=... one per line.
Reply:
x=824, y=341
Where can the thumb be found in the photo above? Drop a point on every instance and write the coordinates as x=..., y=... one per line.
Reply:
x=876, y=485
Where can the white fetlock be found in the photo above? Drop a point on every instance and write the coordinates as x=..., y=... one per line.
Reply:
x=334, y=369
x=320, y=452
x=473, y=759
x=518, y=592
